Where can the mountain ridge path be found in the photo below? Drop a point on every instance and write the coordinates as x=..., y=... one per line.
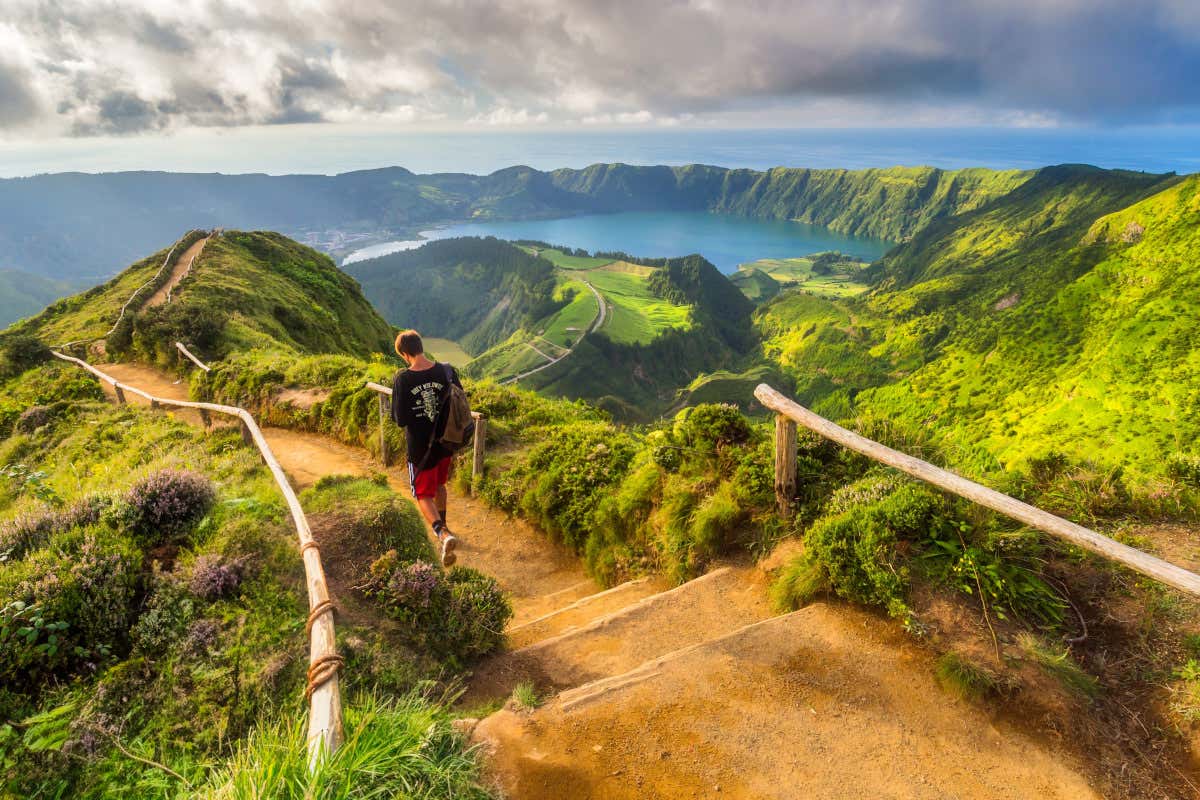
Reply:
x=698, y=690
x=179, y=271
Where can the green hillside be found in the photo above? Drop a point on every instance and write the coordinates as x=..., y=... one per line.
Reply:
x=247, y=289
x=888, y=204
x=474, y=291
x=1048, y=321
x=823, y=274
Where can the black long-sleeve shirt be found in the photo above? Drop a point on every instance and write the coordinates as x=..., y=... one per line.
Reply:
x=416, y=401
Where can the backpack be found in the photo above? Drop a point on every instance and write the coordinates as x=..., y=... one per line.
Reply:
x=458, y=427
x=454, y=428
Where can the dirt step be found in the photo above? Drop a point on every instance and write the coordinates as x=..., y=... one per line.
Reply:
x=533, y=608
x=714, y=604
x=823, y=702
x=582, y=611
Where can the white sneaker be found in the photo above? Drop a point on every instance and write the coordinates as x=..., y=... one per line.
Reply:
x=448, y=545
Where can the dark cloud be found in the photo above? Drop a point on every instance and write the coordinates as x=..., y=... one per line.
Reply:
x=128, y=67
x=18, y=104
x=122, y=112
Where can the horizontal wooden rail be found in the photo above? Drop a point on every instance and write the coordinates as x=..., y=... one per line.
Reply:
x=325, y=704
x=385, y=415
x=188, y=354
x=1146, y=564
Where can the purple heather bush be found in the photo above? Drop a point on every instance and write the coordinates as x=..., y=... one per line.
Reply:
x=458, y=616
x=165, y=504
x=214, y=576
x=201, y=637
x=31, y=530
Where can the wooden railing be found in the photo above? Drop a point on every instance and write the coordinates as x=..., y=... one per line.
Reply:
x=385, y=416
x=325, y=703
x=789, y=413
x=188, y=354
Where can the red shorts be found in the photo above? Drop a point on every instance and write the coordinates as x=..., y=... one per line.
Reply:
x=427, y=482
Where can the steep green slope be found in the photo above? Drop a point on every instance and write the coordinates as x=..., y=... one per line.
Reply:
x=22, y=294
x=247, y=289
x=756, y=284
x=889, y=203
x=474, y=291
x=1021, y=328
x=682, y=318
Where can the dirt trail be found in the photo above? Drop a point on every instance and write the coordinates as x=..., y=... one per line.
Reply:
x=182, y=265
x=698, y=691
x=538, y=575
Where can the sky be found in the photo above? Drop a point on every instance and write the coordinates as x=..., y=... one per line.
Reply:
x=144, y=74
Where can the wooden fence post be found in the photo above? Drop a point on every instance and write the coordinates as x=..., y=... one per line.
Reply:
x=785, y=464
x=480, y=441
x=120, y=393
x=385, y=414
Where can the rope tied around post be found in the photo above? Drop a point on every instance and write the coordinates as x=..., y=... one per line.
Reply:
x=321, y=672
x=319, y=609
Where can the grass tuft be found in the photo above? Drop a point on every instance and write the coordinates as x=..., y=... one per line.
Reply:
x=963, y=678
x=403, y=747
x=526, y=697
x=1056, y=661
x=798, y=583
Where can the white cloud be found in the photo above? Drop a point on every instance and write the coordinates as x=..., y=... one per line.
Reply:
x=127, y=66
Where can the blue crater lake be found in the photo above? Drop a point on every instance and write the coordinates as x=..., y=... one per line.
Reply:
x=726, y=241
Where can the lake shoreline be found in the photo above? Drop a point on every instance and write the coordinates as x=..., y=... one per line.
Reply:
x=724, y=239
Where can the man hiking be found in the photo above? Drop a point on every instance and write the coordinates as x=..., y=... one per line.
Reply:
x=417, y=400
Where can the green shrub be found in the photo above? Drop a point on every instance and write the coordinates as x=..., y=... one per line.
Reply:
x=710, y=426
x=858, y=548
x=671, y=522
x=458, y=617
x=164, y=617
x=479, y=613
x=1185, y=468
x=379, y=516
x=82, y=591
x=21, y=353
x=715, y=520
x=567, y=474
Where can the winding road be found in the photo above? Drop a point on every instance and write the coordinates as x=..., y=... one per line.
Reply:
x=601, y=313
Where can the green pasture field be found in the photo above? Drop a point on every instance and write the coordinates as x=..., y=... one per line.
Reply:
x=798, y=273
x=560, y=259
x=635, y=315
x=446, y=350
x=578, y=315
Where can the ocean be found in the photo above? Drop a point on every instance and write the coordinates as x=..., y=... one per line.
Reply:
x=330, y=149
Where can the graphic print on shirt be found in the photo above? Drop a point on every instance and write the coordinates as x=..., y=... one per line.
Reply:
x=429, y=402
